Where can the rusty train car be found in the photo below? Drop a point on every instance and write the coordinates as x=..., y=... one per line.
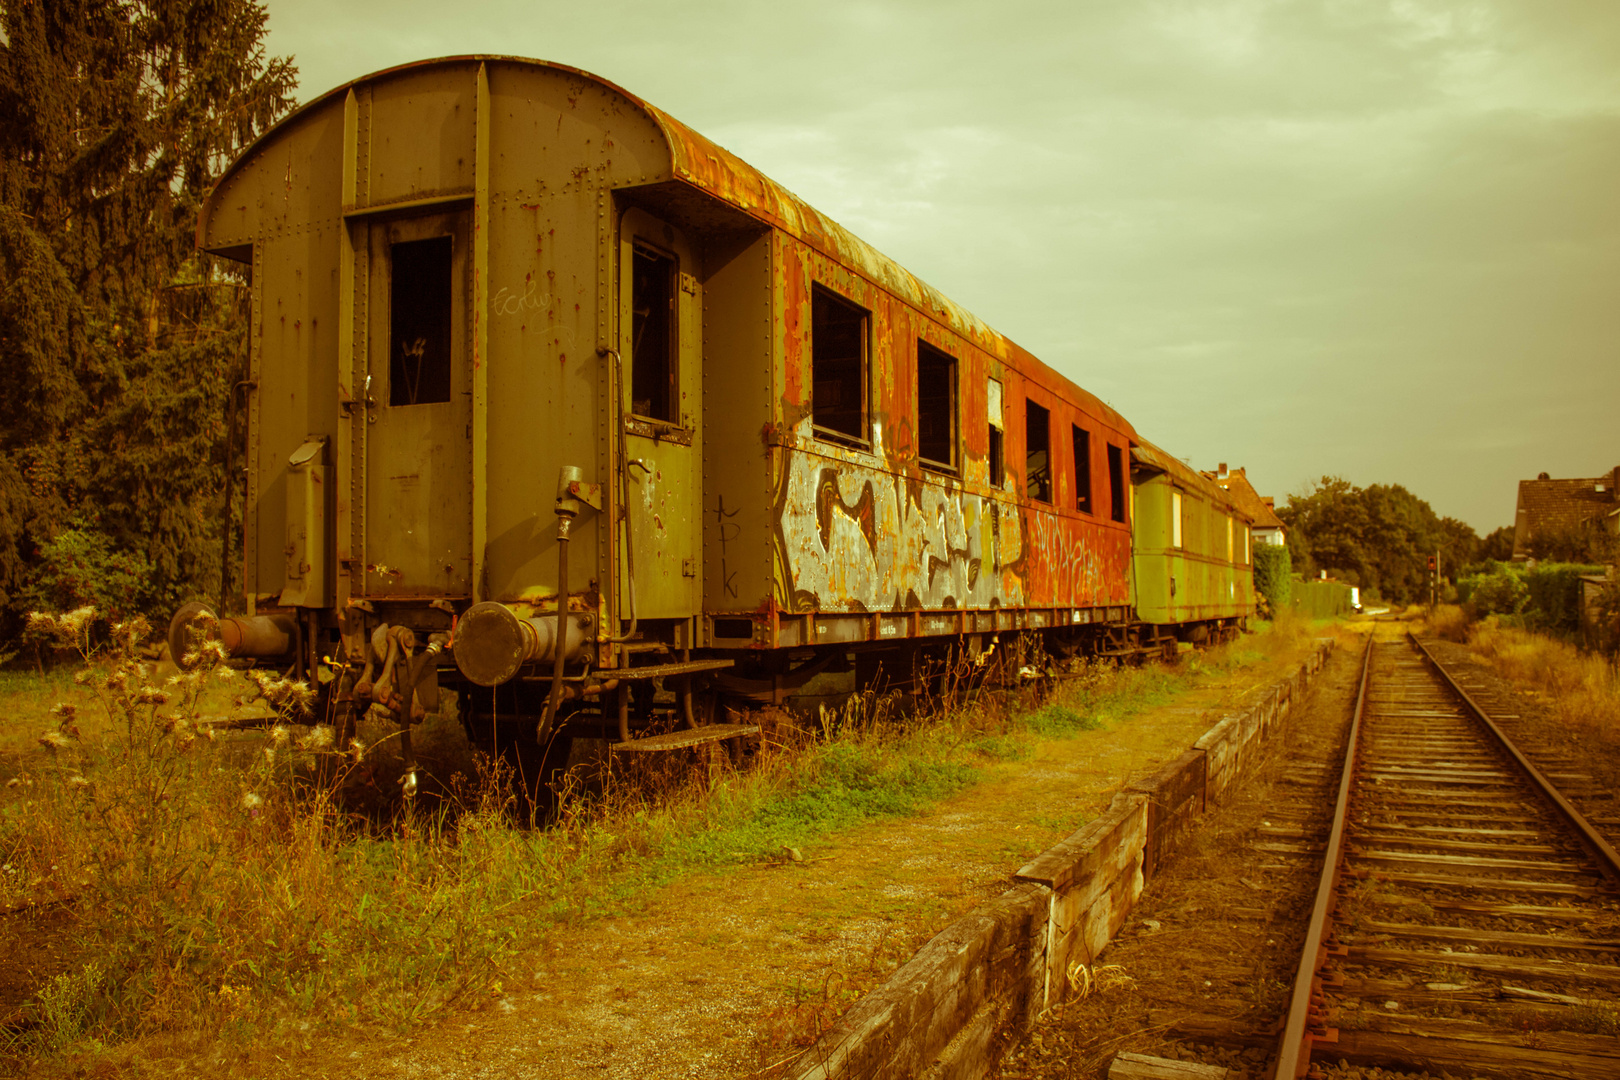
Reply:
x=553, y=400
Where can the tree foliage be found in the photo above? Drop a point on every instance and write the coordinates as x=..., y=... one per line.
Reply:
x=1588, y=542
x=115, y=118
x=1378, y=537
x=1497, y=545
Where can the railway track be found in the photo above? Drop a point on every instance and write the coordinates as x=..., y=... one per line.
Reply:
x=1468, y=918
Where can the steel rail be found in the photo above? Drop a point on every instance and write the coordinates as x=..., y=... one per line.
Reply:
x=1601, y=850
x=1294, y=1053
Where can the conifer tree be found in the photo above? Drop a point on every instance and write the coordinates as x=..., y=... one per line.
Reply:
x=115, y=118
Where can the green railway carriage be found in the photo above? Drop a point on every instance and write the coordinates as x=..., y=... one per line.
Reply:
x=1192, y=568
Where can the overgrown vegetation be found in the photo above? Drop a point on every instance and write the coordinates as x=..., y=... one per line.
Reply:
x=1544, y=596
x=1582, y=688
x=117, y=343
x=1273, y=576
x=219, y=880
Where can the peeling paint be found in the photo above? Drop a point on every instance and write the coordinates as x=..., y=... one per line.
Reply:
x=855, y=538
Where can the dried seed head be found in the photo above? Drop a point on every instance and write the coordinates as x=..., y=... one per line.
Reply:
x=54, y=740
x=251, y=801
x=320, y=737
x=78, y=781
x=151, y=695
x=279, y=735
x=357, y=751
x=75, y=620
x=64, y=711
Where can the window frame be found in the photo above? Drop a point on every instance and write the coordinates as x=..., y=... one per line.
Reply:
x=402, y=393
x=953, y=368
x=1083, y=501
x=1116, y=484
x=1031, y=408
x=672, y=394
x=836, y=436
x=995, y=455
x=1177, y=504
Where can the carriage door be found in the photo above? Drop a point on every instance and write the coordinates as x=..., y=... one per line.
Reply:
x=660, y=330
x=418, y=512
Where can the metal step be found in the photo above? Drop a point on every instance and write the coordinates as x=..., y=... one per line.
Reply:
x=680, y=740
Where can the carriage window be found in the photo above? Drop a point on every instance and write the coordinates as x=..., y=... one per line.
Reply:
x=936, y=409
x=1082, y=470
x=1116, y=483
x=1175, y=519
x=419, y=305
x=1037, y=451
x=652, y=336
x=993, y=462
x=838, y=367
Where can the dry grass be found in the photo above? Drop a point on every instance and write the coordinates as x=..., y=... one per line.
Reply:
x=221, y=884
x=1582, y=689
x=1449, y=621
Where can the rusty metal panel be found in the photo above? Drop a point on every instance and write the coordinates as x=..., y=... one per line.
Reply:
x=665, y=492
x=283, y=183
x=737, y=351
x=866, y=529
x=422, y=139
x=557, y=140
x=418, y=466
x=295, y=344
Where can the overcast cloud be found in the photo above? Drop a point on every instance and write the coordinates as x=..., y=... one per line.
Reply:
x=1373, y=239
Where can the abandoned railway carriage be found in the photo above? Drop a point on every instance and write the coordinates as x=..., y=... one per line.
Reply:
x=1192, y=574
x=523, y=343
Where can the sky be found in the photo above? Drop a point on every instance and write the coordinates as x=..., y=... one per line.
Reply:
x=1375, y=239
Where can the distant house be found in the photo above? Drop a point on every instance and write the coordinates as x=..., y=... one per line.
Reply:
x=1551, y=509
x=1268, y=527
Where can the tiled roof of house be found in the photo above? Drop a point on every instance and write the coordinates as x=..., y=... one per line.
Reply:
x=1548, y=506
x=1247, y=499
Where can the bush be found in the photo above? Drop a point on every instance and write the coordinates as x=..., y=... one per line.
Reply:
x=1272, y=569
x=1547, y=597
x=81, y=568
x=1500, y=592
x=1555, y=596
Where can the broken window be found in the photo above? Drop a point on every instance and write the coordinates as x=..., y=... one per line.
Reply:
x=993, y=462
x=1037, y=451
x=838, y=332
x=1082, y=470
x=419, y=312
x=652, y=336
x=936, y=409
x=1116, y=483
